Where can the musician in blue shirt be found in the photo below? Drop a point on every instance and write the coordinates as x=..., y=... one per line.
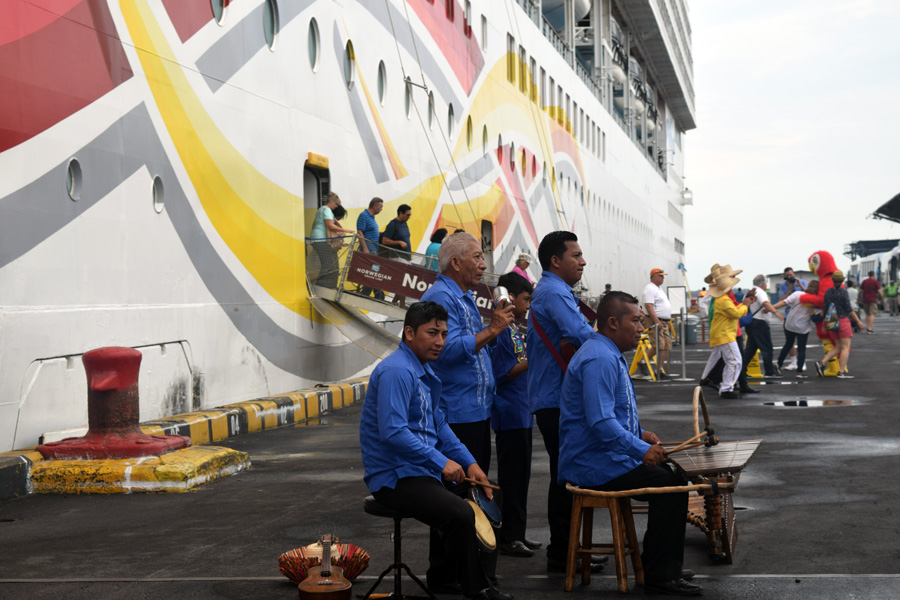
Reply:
x=464, y=366
x=604, y=447
x=555, y=328
x=408, y=448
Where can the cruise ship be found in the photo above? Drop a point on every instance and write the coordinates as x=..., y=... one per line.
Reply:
x=162, y=161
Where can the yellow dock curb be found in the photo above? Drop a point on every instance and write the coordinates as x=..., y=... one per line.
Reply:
x=25, y=471
x=177, y=471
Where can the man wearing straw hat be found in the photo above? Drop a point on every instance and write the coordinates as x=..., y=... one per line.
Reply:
x=723, y=330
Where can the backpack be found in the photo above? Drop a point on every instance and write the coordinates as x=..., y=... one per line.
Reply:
x=831, y=318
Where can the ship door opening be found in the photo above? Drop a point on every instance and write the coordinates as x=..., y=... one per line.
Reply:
x=316, y=181
x=487, y=244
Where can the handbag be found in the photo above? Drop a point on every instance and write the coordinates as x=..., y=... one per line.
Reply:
x=832, y=321
x=748, y=318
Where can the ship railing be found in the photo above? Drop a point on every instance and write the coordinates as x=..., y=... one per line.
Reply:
x=374, y=276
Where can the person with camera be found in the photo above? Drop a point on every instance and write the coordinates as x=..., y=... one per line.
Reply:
x=791, y=284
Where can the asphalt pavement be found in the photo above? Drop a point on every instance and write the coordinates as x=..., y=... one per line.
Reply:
x=817, y=512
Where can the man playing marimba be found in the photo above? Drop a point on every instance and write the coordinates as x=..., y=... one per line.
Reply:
x=603, y=447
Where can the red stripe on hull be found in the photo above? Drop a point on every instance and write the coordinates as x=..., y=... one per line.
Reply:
x=459, y=48
x=57, y=70
x=188, y=17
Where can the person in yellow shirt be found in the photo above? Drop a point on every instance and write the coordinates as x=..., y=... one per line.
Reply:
x=723, y=329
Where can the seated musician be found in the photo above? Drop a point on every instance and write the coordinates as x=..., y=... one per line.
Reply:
x=410, y=453
x=603, y=447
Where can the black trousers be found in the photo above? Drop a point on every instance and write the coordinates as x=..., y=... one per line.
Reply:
x=663, y=547
x=514, y=475
x=789, y=338
x=559, y=500
x=476, y=437
x=329, y=267
x=759, y=337
x=426, y=500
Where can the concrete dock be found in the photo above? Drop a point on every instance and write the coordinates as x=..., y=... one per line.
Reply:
x=817, y=511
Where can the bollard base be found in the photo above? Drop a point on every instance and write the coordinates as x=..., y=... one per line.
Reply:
x=177, y=471
x=99, y=446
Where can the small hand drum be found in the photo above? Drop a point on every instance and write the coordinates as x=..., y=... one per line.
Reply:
x=490, y=507
x=483, y=530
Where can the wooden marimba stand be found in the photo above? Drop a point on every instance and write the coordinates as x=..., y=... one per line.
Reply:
x=718, y=465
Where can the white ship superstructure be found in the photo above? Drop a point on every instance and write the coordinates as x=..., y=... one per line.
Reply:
x=162, y=161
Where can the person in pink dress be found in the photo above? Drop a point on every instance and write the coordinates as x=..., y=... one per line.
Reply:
x=521, y=267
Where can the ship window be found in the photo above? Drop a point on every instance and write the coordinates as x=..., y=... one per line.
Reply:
x=469, y=132
x=431, y=110
x=382, y=82
x=533, y=91
x=533, y=166
x=312, y=43
x=408, y=100
x=543, y=98
x=449, y=8
x=523, y=160
x=523, y=64
x=512, y=157
x=218, y=8
x=73, y=179
x=544, y=169
x=484, y=30
x=510, y=59
x=159, y=194
x=484, y=139
x=467, y=18
x=270, y=23
x=500, y=150
x=349, y=64
x=603, y=146
x=450, y=121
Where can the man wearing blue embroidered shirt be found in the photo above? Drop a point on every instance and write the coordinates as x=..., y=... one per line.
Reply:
x=555, y=328
x=407, y=447
x=604, y=447
x=464, y=366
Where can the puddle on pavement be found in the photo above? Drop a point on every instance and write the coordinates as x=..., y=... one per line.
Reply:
x=805, y=402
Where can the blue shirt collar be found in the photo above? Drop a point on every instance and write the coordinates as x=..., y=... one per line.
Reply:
x=417, y=367
x=454, y=287
x=556, y=281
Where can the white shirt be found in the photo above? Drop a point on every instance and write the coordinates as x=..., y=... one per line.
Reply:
x=854, y=296
x=797, y=319
x=654, y=296
x=757, y=307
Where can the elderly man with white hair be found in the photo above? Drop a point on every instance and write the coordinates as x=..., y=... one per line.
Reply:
x=465, y=370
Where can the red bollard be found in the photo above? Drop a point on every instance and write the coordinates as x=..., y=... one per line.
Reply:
x=113, y=413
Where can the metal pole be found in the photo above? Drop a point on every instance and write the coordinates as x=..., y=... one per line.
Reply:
x=684, y=376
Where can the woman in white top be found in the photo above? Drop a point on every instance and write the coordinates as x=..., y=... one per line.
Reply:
x=797, y=326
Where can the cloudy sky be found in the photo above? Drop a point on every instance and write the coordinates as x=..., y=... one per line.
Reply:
x=798, y=136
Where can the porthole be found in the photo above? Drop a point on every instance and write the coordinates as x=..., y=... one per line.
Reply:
x=312, y=42
x=484, y=139
x=349, y=65
x=500, y=150
x=512, y=157
x=523, y=161
x=218, y=9
x=469, y=132
x=270, y=23
x=382, y=82
x=408, y=100
x=544, y=170
x=430, y=110
x=73, y=179
x=533, y=166
x=450, y=121
x=159, y=194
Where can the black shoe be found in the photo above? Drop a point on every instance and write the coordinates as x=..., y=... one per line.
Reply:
x=531, y=544
x=730, y=395
x=748, y=390
x=450, y=588
x=516, y=548
x=687, y=574
x=675, y=587
x=491, y=593
x=558, y=565
x=709, y=383
x=820, y=371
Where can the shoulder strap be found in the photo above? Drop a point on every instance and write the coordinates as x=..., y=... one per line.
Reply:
x=553, y=351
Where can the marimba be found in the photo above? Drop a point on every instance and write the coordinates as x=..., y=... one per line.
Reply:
x=718, y=464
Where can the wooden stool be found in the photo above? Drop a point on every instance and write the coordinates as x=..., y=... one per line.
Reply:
x=625, y=540
x=372, y=507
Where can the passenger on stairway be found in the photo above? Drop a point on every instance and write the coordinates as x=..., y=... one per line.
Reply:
x=367, y=236
x=396, y=244
x=324, y=227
